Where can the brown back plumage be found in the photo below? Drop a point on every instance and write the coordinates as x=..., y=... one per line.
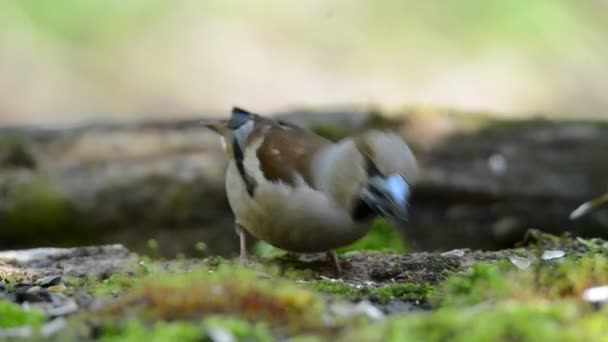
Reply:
x=284, y=151
x=287, y=152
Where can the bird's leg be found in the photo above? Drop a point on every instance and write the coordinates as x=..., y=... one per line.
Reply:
x=333, y=258
x=243, y=244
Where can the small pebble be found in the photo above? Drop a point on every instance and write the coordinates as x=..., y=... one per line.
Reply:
x=557, y=254
x=400, y=306
x=50, y=281
x=333, y=280
x=68, y=308
x=53, y=327
x=15, y=333
x=34, y=290
x=221, y=335
x=263, y=275
x=455, y=252
x=34, y=294
x=597, y=294
x=498, y=164
x=364, y=307
x=520, y=262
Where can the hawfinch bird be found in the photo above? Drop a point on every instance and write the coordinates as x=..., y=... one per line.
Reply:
x=305, y=194
x=589, y=206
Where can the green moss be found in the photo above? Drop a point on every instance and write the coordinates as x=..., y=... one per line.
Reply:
x=135, y=331
x=114, y=285
x=408, y=292
x=572, y=277
x=381, y=237
x=594, y=245
x=482, y=282
x=229, y=290
x=240, y=329
x=15, y=153
x=39, y=214
x=503, y=322
x=12, y=316
x=334, y=287
x=563, y=279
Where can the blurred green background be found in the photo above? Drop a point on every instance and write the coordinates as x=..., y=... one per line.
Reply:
x=76, y=60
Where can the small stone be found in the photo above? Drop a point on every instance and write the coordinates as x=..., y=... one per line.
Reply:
x=333, y=280
x=34, y=294
x=369, y=310
x=34, y=290
x=400, y=306
x=57, y=299
x=14, y=333
x=68, y=308
x=498, y=164
x=597, y=294
x=364, y=307
x=549, y=254
x=50, y=281
x=454, y=253
x=263, y=275
x=221, y=335
x=53, y=327
x=520, y=262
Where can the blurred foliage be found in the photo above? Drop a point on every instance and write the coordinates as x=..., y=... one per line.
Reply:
x=387, y=22
x=85, y=21
x=410, y=292
x=381, y=237
x=38, y=213
x=14, y=153
x=147, y=56
x=13, y=316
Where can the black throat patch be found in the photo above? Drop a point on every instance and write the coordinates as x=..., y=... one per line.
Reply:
x=239, y=157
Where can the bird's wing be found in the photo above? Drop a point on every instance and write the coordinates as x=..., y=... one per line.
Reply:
x=277, y=150
x=287, y=153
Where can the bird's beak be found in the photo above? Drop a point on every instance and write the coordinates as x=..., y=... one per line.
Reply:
x=218, y=126
x=388, y=197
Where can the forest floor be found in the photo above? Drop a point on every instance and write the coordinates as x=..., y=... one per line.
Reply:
x=548, y=288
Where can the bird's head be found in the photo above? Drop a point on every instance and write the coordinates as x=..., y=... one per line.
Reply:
x=233, y=130
x=391, y=170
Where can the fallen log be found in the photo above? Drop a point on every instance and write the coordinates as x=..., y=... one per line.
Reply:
x=485, y=181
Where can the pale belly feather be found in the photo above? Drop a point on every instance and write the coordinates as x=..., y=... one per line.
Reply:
x=298, y=219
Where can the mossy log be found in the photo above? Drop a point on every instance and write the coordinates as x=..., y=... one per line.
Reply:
x=484, y=181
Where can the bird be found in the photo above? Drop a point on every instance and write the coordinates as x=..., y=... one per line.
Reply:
x=303, y=193
x=589, y=206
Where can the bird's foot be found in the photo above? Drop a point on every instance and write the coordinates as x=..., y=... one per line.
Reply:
x=244, y=259
x=243, y=256
x=333, y=258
